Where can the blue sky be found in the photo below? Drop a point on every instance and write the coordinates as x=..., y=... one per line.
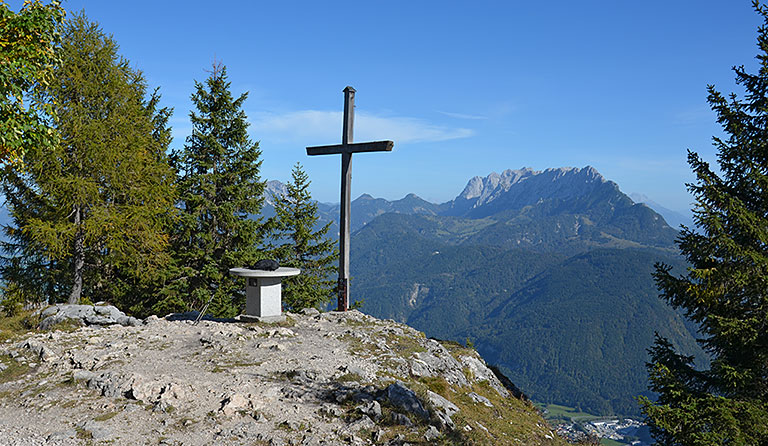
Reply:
x=463, y=88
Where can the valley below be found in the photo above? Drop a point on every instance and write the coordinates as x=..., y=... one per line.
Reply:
x=548, y=274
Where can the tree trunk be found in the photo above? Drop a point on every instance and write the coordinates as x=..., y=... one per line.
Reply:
x=78, y=260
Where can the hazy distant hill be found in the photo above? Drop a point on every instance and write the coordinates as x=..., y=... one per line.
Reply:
x=364, y=208
x=673, y=218
x=547, y=272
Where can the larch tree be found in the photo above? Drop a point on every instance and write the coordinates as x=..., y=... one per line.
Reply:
x=93, y=210
x=220, y=191
x=726, y=287
x=300, y=245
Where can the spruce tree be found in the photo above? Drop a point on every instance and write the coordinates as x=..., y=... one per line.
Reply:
x=91, y=213
x=303, y=247
x=220, y=189
x=726, y=287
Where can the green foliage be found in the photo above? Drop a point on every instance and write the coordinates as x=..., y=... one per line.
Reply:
x=28, y=42
x=565, y=328
x=580, y=329
x=303, y=247
x=220, y=188
x=90, y=213
x=725, y=288
x=13, y=299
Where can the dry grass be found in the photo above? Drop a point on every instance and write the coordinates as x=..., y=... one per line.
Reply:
x=13, y=327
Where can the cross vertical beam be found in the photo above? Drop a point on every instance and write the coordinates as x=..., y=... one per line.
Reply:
x=346, y=149
x=346, y=200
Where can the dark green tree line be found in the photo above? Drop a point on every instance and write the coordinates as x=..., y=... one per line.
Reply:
x=726, y=287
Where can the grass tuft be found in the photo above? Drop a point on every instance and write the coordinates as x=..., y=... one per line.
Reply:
x=106, y=416
x=13, y=370
x=12, y=327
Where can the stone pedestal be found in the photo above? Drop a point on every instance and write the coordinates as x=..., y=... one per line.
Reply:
x=263, y=293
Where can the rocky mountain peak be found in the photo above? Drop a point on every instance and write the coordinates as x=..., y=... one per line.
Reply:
x=477, y=187
x=587, y=173
x=318, y=378
x=517, y=188
x=274, y=189
x=591, y=172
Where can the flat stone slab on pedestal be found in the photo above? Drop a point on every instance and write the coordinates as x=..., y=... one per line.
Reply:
x=280, y=272
x=263, y=293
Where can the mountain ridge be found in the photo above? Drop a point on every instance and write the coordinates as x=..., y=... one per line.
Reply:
x=481, y=197
x=559, y=238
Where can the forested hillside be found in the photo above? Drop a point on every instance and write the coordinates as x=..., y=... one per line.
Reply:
x=559, y=294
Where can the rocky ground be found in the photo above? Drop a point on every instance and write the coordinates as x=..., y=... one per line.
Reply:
x=317, y=378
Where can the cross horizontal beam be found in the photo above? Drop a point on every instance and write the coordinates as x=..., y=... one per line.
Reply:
x=376, y=146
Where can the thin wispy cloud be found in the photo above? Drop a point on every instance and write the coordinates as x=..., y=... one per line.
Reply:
x=696, y=115
x=324, y=127
x=462, y=115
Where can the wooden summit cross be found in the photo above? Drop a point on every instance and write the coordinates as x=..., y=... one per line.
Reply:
x=346, y=149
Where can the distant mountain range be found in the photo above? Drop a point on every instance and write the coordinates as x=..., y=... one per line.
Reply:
x=674, y=218
x=481, y=196
x=548, y=273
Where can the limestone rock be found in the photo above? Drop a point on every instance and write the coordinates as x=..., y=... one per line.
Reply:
x=480, y=399
x=85, y=314
x=399, y=395
x=437, y=361
x=96, y=430
x=40, y=350
x=372, y=409
x=317, y=379
x=143, y=389
x=61, y=436
x=481, y=372
x=444, y=409
x=431, y=434
x=403, y=420
x=363, y=423
x=234, y=403
x=310, y=311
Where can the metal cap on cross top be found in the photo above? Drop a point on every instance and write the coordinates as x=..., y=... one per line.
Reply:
x=346, y=149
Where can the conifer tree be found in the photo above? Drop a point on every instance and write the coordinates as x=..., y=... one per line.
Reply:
x=726, y=288
x=220, y=189
x=138, y=294
x=91, y=213
x=303, y=247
